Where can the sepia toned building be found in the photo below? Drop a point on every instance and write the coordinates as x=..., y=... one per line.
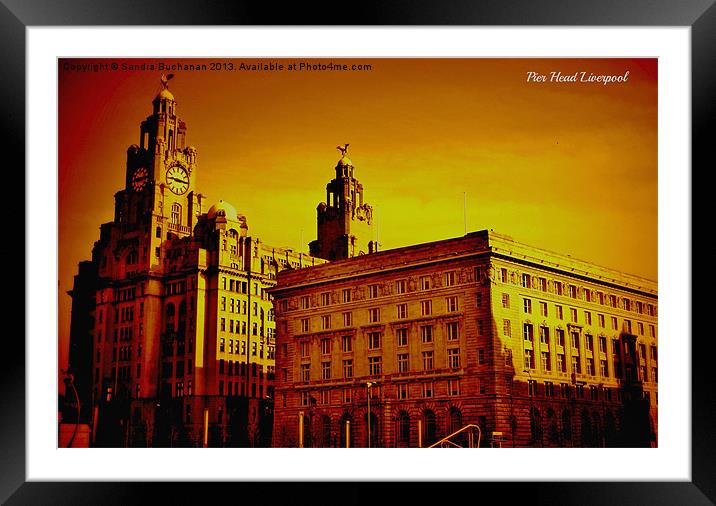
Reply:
x=172, y=338
x=534, y=347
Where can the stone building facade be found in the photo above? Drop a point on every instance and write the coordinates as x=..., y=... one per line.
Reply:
x=534, y=347
x=172, y=336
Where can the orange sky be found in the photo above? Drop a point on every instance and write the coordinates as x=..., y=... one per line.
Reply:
x=570, y=167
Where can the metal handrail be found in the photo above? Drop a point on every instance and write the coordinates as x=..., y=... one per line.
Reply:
x=446, y=440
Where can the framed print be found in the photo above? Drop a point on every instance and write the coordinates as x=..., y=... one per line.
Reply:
x=215, y=329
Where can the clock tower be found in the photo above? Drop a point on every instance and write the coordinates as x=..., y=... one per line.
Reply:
x=160, y=188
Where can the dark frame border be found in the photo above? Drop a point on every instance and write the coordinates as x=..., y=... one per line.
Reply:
x=700, y=15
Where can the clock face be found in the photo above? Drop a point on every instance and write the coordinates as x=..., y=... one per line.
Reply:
x=178, y=179
x=139, y=179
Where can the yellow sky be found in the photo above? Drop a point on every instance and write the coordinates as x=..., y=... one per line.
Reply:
x=570, y=167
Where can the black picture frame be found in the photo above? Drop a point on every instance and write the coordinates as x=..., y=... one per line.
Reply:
x=699, y=15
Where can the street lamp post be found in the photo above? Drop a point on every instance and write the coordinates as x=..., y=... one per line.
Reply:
x=368, y=385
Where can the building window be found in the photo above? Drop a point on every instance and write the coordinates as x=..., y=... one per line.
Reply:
x=528, y=332
x=561, y=364
x=612, y=301
x=326, y=347
x=449, y=278
x=372, y=291
x=543, y=308
x=546, y=361
x=347, y=319
x=325, y=298
x=650, y=310
x=403, y=391
x=374, y=340
x=503, y=275
x=590, y=366
x=506, y=300
x=640, y=328
x=402, y=335
x=305, y=302
x=531, y=388
x=543, y=284
x=305, y=325
x=558, y=312
x=374, y=315
x=305, y=372
x=454, y=357
x=603, y=368
x=428, y=389
x=573, y=315
x=652, y=331
x=589, y=342
x=426, y=333
x=526, y=281
x=453, y=387
x=426, y=307
x=401, y=286
x=481, y=356
x=615, y=326
x=304, y=399
x=481, y=386
x=326, y=322
x=576, y=364
x=374, y=365
x=348, y=368
x=451, y=304
x=548, y=389
x=176, y=214
x=507, y=328
x=529, y=359
x=573, y=291
x=587, y=318
x=452, y=331
x=402, y=362
x=478, y=299
x=527, y=306
x=346, y=295
x=346, y=344
x=627, y=326
x=305, y=349
x=425, y=282
x=602, y=344
x=402, y=311
x=558, y=287
x=600, y=318
x=544, y=335
x=326, y=370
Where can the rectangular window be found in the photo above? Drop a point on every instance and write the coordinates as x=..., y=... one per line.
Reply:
x=402, y=310
x=451, y=304
x=561, y=364
x=576, y=365
x=627, y=326
x=325, y=298
x=573, y=315
x=615, y=326
x=403, y=391
x=652, y=331
x=453, y=387
x=427, y=361
x=428, y=389
x=426, y=307
x=531, y=388
x=575, y=341
x=650, y=310
x=449, y=278
x=401, y=286
x=543, y=308
x=653, y=353
x=507, y=328
x=305, y=349
x=601, y=320
x=346, y=344
x=558, y=287
x=305, y=325
x=602, y=344
x=372, y=291
x=374, y=340
x=348, y=369
x=346, y=295
x=326, y=322
x=526, y=281
x=543, y=284
x=347, y=319
x=374, y=315
x=503, y=275
x=603, y=368
x=452, y=331
x=527, y=306
x=590, y=366
x=326, y=347
x=564, y=390
x=587, y=318
x=529, y=359
x=640, y=328
x=426, y=333
x=589, y=342
x=546, y=361
x=305, y=302
x=402, y=336
x=573, y=291
x=402, y=362
x=454, y=357
x=544, y=335
x=304, y=399
x=375, y=365
x=478, y=299
x=506, y=300
x=548, y=389
x=528, y=332
x=305, y=372
x=326, y=370
x=558, y=312
x=481, y=356
x=425, y=282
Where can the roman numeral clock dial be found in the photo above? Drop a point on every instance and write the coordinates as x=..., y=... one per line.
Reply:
x=178, y=179
x=139, y=179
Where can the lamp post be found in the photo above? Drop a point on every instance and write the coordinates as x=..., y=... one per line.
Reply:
x=367, y=388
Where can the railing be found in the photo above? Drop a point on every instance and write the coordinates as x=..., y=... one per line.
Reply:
x=446, y=443
x=175, y=227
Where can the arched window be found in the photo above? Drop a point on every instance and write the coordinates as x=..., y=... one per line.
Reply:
x=552, y=429
x=132, y=257
x=455, y=420
x=536, y=426
x=176, y=213
x=404, y=428
x=430, y=428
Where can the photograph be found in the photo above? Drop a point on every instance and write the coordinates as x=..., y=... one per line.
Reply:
x=357, y=252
